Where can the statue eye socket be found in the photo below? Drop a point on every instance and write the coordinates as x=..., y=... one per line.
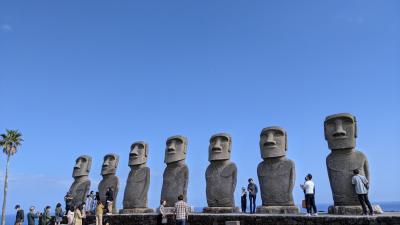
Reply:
x=278, y=134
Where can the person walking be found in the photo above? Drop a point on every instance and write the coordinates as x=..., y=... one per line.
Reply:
x=78, y=216
x=99, y=213
x=58, y=214
x=253, y=190
x=243, y=198
x=109, y=200
x=46, y=217
x=361, y=186
x=181, y=211
x=32, y=215
x=19, y=216
x=162, y=212
x=309, y=190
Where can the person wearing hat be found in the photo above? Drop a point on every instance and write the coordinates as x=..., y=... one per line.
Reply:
x=19, y=217
x=309, y=190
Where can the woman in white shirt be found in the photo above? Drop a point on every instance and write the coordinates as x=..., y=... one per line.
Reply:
x=309, y=191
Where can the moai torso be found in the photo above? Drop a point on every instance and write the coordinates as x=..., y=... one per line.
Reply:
x=136, y=189
x=79, y=189
x=108, y=181
x=175, y=182
x=276, y=182
x=221, y=184
x=341, y=133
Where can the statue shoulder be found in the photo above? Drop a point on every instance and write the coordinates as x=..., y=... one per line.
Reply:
x=359, y=155
x=209, y=169
x=260, y=169
x=229, y=170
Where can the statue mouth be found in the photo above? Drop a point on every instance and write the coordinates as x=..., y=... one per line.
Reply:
x=171, y=151
x=269, y=145
x=216, y=150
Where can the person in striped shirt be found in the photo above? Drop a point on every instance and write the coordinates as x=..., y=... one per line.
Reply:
x=181, y=211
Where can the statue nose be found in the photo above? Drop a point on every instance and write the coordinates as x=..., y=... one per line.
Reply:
x=217, y=146
x=270, y=140
x=339, y=132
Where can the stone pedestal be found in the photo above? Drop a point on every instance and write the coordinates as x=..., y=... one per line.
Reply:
x=136, y=210
x=352, y=210
x=277, y=209
x=221, y=210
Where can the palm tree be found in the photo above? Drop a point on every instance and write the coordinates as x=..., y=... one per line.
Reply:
x=9, y=142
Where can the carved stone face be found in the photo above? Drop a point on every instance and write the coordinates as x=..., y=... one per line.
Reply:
x=340, y=131
x=110, y=164
x=273, y=142
x=175, y=149
x=220, y=147
x=82, y=166
x=138, y=154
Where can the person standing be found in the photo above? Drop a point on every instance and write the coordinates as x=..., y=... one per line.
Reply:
x=253, y=190
x=162, y=212
x=70, y=216
x=361, y=186
x=181, y=211
x=243, y=198
x=89, y=202
x=78, y=216
x=309, y=190
x=46, y=217
x=109, y=200
x=99, y=213
x=19, y=216
x=32, y=215
x=58, y=214
x=68, y=202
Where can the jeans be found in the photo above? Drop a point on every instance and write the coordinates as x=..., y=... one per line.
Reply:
x=363, y=198
x=310, y=203
x=180, y=222
x=252, y=203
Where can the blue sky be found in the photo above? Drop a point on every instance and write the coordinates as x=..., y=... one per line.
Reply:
x=92, y=77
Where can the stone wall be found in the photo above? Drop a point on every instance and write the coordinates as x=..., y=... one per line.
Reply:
x=255, y=219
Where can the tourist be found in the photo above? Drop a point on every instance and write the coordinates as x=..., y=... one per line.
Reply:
x=78, y=215
x=90, y=198
x=162, y=211
x=70, y=216
x=58, y=214
x=361, y=185
x=109, y=200
x=99, y=213
x=19, y=217
x=309, y=190
x=253, y=190
x=46, y=217
x=181, y=211
x=40, y=221
x=68, y=201
x=32, y=215
x=243, y=198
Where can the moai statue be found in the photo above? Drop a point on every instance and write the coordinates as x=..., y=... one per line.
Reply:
x=176, y=174
x=110, y=180
x=276, y=173
x=81, y=185
x=221, y=176
x=341, y=133
x=137, y=185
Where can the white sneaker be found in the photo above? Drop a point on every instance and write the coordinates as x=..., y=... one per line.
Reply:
x=315, y=214
x=308, y=214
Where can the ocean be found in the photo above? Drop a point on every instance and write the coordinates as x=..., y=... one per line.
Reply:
x=386, y=206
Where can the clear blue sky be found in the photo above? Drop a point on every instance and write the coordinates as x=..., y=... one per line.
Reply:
x=92, y=77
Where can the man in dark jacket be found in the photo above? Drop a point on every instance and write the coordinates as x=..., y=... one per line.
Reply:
x=32, y=215
x=19, y=217
x=253, y=189
x=109, y=200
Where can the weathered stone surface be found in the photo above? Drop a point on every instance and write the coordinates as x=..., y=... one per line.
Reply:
x=221, y=174
x=108, y=171
x=136, y=210
x=341, y=133
x=352, y=210
x=278, y=209
x=221, y=210
x=276, y=173
x=176, y=174
x=138, y=182
x=81, y=185
x=232, y=222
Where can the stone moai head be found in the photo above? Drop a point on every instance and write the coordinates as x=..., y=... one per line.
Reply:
x=82, y=166
x=220, y=147
x=273, y=142
x=340, y=131
x=138, y=153
x=176, y=147
x=110, y=164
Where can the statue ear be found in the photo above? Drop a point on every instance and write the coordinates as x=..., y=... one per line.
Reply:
x=355, y=127
x=146, y=150
x=89, y=164
x=286, y=144
x=116, y=161
x=325, y=134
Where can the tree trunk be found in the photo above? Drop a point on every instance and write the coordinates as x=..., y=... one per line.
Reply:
x=3, y=212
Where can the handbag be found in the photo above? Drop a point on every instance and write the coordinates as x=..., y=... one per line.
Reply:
x=303, y=204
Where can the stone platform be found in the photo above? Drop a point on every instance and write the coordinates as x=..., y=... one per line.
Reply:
x=253, y=219
x=352, y=210
x=136, y=210
x=221, y=210
x=277, y=209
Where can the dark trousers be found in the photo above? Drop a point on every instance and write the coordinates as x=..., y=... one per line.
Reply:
x=180, y=222
x=310, y=203
x=244, y=206
x=363, y=198
x=252, y=199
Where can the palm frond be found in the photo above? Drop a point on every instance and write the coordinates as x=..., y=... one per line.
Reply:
x=10, y=141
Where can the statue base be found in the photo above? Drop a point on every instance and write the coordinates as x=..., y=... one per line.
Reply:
x=352, y=210
x=136, y=210
x=278, y=209
x=221, y=210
